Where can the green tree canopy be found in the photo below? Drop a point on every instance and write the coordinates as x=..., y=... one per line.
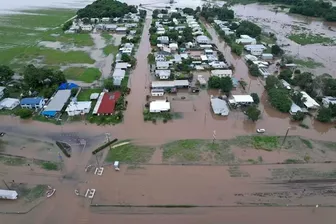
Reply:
x=6, y=74
x=324, y=115
x=108, y=84
x=253, y=113
x=255, y=97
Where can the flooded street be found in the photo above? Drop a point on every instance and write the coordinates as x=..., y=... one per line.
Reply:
x=282, y=25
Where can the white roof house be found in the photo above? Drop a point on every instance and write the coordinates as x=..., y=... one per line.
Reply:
x=219, y=106
x=201, y=80
x=162, y=65
x=250, y=47
x=159, y=106
x=264, y=72
x=119, y=73
x=286, y=84
x=294, y=109
x=246, y=39
x=222, y=73
x=122, y=65
x=78, y=108
x=163, y=39
x=250, y=57
x=94, y=96
x=173, y=46
x=241, y=99
x=163, y=74
x=327, y=100
x=58, y=101
x=169, y=84
x=9, y=103
x=202, y=39
x=310, y=102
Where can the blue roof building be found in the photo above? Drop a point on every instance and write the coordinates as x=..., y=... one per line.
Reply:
x=68, y=85
x=32, y=103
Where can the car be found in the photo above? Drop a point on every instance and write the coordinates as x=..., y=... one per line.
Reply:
x=261, y=130
x=2, y=134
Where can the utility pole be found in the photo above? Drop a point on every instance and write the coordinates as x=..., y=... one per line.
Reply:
x=214, y=137
x=248, y=91
x=285, y=136
x=6, y=184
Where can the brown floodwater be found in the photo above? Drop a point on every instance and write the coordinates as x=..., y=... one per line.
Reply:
x=283, y=24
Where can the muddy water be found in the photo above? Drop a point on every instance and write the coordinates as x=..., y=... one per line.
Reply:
x=283, y=24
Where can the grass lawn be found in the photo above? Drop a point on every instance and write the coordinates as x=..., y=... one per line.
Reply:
x=55, y=57
x=194, y=151
x=267, y=39
x=308, y=63
x=110, y=49
x=108, y=37
x=130, y=154
x=85, y=94
x=305, y=39
x=78, y=39
x=18, y=31
x=267, y=143
x=87, y=75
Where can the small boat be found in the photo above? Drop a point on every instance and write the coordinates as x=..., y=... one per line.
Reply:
x=51, y=192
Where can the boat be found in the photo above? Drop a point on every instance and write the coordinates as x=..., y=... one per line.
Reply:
x=50, y=192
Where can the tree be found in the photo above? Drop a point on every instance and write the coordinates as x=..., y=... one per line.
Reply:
x=303, y=80
x=279, y=99
x=255, y=97
x=272, y=82
x=187, y=34
x=324, y=115
x=276, y=50
x=329, y=87
x=151, y=58
x=67, y=25
x=74, y=92
x=253, y=113
x=24, y=113
x=299, y=116
x=286, y=75
x=125, y=58
x=6, y=74
x=188, y=11
x=108, y=84
x=248, y=28
x=298, y=99
x=214, y=82
x=254, y=70
x=237, y=49
x=226, y=84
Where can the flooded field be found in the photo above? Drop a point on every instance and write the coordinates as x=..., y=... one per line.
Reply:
x=282, y=25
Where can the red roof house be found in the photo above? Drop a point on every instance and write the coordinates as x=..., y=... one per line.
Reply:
x=108, y=102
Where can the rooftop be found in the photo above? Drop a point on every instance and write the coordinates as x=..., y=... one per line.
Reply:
x=159, y=106
x=59, y=100
x=242, y=98
x=80, y=105
x=107, y=103
x=219, y=106
x=31, y=100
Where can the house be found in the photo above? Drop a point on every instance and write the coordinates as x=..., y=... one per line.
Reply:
x=294, y=109
x=189, y=45
x=222, y=73
x=178, y=28
x=2, y=91
x=121, y=29
x=162, y=65
x=157, y=92
x=286, y=84
x=267, y=56
x=160, y=30
x=219, y=106
x=163, y=39
x=177, y=58
x=204, y=58
x=132, y=32
x=173, y=46
x=106, y=103
x=166, y=51
x=256, y=50
x=201, y=80
x=160, y=57
x=94, y=96
x=86, y=27
x=57, y=103
x=118, y=75
x=327, y=100
x=131, y=25
x=158, y=106
x=162, y=74
x=250, y=57
x=246, y=39
x=241, y=100
x=205, y=46
x=263, y=72
x=218, y=64
x=32, y=103
x=94, y=20
x=78, y=108
x=122, y=65
x=208, y=52
x=110, y=27
x=105, y=19
x=68, y=85
x=170, y=84
x=126, y=50
x=9, y=103
x=202, y=39
x=310, y=102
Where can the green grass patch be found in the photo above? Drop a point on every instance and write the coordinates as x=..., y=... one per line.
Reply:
x=235, y=171
x=78, y=39
x=193, y=151
x=267, y=143
x=305, y=39
x=165, y=116
x=84, y=94
x=293, y=161
x=87, y=75
x=55, y=57
x=130, y=153
x=49, y=165
x=267, y=39
x=35, y=193
x=108, y=37
x=205, y=31
x=307, y=143
x=110, y=49
x=19, y=31
x=308, y=63
x=42, y=118
x=12, y=161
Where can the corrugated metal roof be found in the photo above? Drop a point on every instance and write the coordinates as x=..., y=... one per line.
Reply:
x=31, y=101
x=108, y=103
x=59, y=100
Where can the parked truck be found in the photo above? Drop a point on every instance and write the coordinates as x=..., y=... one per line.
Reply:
x=8, y=194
